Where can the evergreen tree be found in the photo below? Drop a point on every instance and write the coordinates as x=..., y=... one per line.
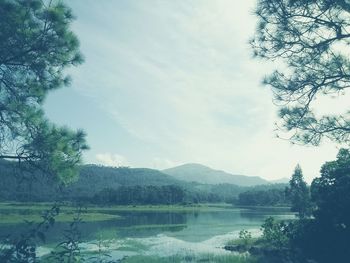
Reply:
x=299, y=194
x=326, y=237
x=331, y=192
x=311, y=40
x=36, y=45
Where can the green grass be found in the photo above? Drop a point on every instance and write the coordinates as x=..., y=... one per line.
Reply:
x=17, y=212
x=15, y=218
x=191, y=258
x=165, y=208
x=67, y=207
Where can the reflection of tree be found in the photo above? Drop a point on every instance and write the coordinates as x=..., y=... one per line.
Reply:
x=251, y=215
x=153, y=218
x=261, y=213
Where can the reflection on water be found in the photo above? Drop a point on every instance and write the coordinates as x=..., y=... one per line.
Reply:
x=171, y=232
x=189, y=225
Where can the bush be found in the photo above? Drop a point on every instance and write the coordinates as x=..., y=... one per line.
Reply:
x=275, y=234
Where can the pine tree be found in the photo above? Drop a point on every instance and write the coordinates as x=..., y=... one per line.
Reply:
x=299, y=194
x=36, y=45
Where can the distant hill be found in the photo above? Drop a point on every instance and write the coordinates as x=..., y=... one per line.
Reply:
x=283, y=180
x=92, y=179
x=111, y=176
x=199, y=183
x=193, y=172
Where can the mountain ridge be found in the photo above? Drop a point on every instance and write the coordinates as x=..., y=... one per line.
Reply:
x=194, y=172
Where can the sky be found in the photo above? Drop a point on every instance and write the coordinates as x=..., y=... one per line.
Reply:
x=171, y=82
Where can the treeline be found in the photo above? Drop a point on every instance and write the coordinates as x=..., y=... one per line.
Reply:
x=140, y=195
x=120, y=186
x=270, y=197
x=321, y=232
x=149, y=195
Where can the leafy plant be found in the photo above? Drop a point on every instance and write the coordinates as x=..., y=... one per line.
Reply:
x=22, y=249
x=102, y=256
x=246, y=237
x=68, y=251
x=275, y=234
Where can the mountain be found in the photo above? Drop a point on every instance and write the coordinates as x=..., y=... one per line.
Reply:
x=104, y=176
x=92, y=179
x=283, y=180
x=193, y=172
x=198, y=183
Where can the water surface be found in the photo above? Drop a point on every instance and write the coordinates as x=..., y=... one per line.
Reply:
x=164, y=233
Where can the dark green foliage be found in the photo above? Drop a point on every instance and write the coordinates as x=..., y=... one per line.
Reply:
x=36, y=46
x=331, y=191
x=245, y=238
x=270, y=197
x=326, y=237
x=34, y=185
x=132, y=195
x=311, y=39
x=299, y=194
x=331, y=227
x=226, y=192
x=275, y=233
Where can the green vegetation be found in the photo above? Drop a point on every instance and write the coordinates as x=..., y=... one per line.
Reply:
x=275, y=233
x=270, y=197
x=39, y=159
x=311, y=40
x=246, y=244
x=166, y=194
x=14, y=213
x=243, y=243
x=299, y=194
x=305, y=36
x=63, y=217
x=120, y=186
x=325, y=237
x=67, y=207
x=36, y=47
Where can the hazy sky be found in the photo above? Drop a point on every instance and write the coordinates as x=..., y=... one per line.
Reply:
x=170, y=82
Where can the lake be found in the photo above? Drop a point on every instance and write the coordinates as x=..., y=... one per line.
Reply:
x=163, y=233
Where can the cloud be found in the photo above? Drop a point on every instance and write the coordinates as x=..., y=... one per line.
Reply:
x=163, y=163
x=115, y=160
x=178, y=78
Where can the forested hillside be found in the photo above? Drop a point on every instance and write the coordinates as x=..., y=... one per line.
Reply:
x=21, y=185
x=111, y=185
x=193, y=172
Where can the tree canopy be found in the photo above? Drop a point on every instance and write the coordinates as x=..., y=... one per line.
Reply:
x=311, y=39
x=36, y=46
x=299, y=194
x=326, y=237
x=331, y=191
